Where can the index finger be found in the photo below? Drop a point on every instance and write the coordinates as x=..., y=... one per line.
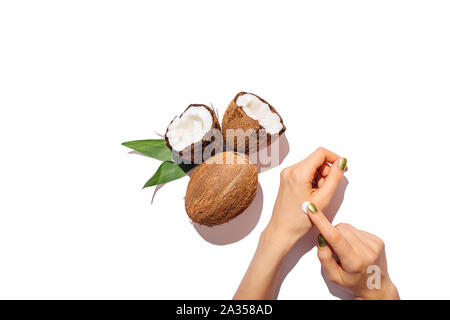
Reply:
x=333, y=236
x=319, y=157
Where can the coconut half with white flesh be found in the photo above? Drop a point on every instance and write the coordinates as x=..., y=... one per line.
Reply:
x=196, y=129
x=250, y=123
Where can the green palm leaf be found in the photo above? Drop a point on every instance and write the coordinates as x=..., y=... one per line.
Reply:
x=168, y=171
x=154, y=148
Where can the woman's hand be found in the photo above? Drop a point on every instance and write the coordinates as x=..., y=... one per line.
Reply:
x=362, y=266
x=316, y=179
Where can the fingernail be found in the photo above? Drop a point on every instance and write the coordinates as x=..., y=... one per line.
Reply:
x=321, y=240
x=342, y=164
x=307, y=205
x=312, y=208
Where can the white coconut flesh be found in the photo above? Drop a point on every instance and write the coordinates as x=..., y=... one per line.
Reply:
x=191, y=127
x=260, y=111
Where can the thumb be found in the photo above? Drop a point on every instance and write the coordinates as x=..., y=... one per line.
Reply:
x=332, y=180
x=332, y=270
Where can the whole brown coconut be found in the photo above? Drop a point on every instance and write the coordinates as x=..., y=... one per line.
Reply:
x=258, y=126
x=221, y=188
x=195, y=130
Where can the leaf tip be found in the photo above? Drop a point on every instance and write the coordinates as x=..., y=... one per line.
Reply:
x=146, y=185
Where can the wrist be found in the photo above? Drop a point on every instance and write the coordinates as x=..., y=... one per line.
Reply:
x=391, y=292
x=277, y=240
x=388, y=291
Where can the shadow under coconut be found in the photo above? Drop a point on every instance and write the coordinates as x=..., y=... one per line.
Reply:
x=309, y=241
x=236, y=229
x=274, y=155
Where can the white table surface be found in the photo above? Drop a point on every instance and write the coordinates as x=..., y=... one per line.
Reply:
x=369, y=81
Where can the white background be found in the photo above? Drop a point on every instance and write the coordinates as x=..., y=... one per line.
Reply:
x=368, y=80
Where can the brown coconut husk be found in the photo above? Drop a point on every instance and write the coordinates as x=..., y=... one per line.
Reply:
x=218, y=192
x=235, y=118
x=187, y=155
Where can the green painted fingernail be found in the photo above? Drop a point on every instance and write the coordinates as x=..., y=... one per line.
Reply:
x=312, y=208
x=342, y=164
x=321, y=240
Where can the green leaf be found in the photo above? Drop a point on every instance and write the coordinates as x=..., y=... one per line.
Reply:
x=168, y=171
x=155, y=148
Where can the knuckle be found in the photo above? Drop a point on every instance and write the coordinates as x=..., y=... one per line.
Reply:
x=358, y=265
x=298, y=175
x=342, y=225
x=301, y=164
x=297, y=170
x=371, y=258
x=320, y=149
x=335, y=237
x=324, y=255
x=381, y=244
x=285, y=174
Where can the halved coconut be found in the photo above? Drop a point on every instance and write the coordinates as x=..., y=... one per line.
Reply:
x=250, y=123
x=221, y=188
x=192, y=132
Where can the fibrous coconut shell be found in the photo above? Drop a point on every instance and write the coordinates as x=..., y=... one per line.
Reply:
x=221, y=188
x=235, y=118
